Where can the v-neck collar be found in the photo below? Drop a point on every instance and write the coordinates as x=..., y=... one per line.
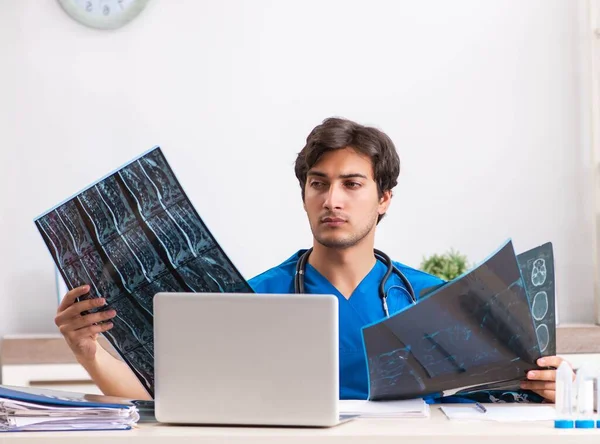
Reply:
x=360, y=300
x=334, y=288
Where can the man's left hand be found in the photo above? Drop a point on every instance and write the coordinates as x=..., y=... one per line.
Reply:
x=543, y=382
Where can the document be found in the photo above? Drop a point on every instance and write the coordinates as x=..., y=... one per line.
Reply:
x=130, y=235
x=501, y=413
x=477, y=329
x=30, y=409
x=409, y=408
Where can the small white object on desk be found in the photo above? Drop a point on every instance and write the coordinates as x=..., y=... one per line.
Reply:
x=563, y=404
x=410, y=408
x=500, y=412
x=584, y=382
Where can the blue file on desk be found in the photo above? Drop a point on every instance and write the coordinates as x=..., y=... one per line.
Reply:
x=31, y=409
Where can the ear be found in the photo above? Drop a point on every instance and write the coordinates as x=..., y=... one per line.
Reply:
x=385, y=202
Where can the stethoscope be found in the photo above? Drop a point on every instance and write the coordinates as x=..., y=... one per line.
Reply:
x=391, y=268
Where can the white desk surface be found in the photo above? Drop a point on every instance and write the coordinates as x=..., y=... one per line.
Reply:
x=435, y=429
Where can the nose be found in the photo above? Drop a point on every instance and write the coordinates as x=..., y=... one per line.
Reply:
x=334, y=198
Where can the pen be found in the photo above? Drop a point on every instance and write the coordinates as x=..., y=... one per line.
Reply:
x=480, y=407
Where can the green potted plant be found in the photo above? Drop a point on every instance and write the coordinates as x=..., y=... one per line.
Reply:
x=446, y=266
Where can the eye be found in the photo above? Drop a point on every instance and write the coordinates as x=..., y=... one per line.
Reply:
x=317, y=185
x=353, y=185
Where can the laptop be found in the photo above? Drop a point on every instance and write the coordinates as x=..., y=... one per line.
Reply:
x=247, y=359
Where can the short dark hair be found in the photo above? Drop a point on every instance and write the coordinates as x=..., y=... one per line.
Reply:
x=337, y=133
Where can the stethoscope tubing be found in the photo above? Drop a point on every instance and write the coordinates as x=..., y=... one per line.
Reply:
x=379, y=255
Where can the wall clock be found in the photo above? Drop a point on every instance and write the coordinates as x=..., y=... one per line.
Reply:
x=103, y=14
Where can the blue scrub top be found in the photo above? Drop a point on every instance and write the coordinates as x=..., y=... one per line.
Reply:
x=362, y=308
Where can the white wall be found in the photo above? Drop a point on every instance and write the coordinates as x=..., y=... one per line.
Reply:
x=486, y=102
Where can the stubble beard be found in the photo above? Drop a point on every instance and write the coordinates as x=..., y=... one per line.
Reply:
x=346, y=242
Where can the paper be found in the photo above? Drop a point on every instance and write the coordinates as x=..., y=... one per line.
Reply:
x=476, y=329
x=130, y=235
x=28, y=409
x=501, y=413
x=410, y=408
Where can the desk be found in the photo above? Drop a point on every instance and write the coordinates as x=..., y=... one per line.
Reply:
x=436, y=429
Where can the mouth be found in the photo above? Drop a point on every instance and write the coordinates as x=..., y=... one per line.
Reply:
x=333, y=221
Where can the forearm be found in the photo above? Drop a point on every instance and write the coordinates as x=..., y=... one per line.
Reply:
x=113, y=377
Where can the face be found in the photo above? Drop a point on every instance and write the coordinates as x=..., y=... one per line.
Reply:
x=341, y=199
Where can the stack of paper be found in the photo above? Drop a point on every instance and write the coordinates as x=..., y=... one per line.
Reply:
x=409, y=408
x=501, y=412
x=22, y=410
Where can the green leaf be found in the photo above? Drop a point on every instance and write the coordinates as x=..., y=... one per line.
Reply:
x=446, y=266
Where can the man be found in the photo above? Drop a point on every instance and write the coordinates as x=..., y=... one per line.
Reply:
x=346, y=173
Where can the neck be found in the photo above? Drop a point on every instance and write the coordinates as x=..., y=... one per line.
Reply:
x=344, y=268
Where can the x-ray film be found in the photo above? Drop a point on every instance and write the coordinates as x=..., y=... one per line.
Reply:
x=474, y=330
x=130, y=235
x=537, y=269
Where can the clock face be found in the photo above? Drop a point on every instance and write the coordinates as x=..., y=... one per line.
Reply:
x=103, y=14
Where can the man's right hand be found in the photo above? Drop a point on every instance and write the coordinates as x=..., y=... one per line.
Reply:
x=81, y=330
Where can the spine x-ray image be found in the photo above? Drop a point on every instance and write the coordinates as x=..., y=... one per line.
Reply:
x=129, y=236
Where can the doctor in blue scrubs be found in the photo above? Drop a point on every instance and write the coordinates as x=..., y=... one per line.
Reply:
x=346, y=173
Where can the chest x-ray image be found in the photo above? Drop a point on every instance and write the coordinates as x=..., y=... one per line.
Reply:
x=130, y=235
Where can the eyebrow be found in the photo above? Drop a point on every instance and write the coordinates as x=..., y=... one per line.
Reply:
x=341, y=176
